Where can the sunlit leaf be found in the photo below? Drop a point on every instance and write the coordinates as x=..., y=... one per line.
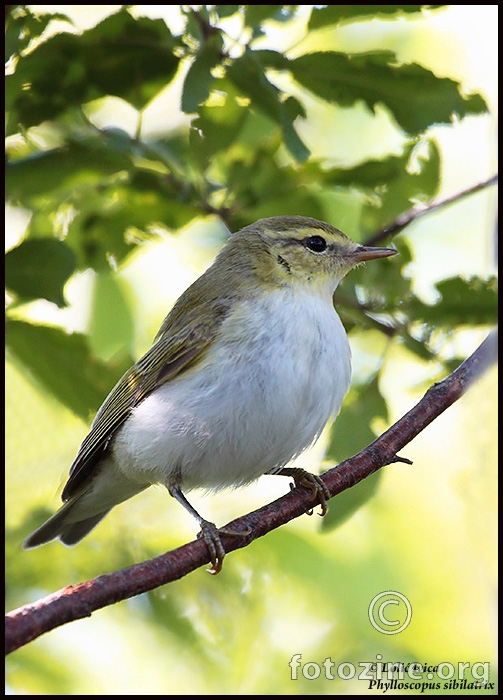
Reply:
x=75, y=165
x=111, y=327
x=248, y=74
x=337, y=14
x=199, y=78
x=129, y=58
x=471, y=301
x=376, y=78
x=64, y=365
x=23, y=26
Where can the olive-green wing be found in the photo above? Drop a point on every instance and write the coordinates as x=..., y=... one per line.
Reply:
x=171, y=354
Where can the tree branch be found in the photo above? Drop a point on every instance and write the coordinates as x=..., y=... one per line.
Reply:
x=406, y=218
x=75, y=602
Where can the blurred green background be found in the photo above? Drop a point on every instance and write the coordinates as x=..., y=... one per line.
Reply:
x=137, y=137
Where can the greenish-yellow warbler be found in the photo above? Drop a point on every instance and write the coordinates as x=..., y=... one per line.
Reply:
x=244, y=374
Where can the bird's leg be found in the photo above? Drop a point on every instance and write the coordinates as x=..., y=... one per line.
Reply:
x=209, y=531
x=310, y=481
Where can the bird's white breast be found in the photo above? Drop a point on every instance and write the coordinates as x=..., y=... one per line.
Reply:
x=264, y=391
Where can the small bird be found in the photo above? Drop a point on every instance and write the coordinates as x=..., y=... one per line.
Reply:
x=244, y=374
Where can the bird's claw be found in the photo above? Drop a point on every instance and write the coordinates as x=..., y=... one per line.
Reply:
x=312, y=482
x=211, y=535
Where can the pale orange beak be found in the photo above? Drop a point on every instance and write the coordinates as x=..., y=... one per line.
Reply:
x=363, y=253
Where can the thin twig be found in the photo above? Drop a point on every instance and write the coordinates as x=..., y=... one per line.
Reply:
x=404, y=219
x=75, y=602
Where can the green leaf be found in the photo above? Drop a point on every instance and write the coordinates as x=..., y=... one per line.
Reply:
x=389, y=171
x=198, y=81
x=418, y=348
x=198, y=24
x=77, y=164
x=259, y=184
x=338, y=14
x=226, y=10
x=352, y=430
x=350, y=433
x=248, y=74
x=129, y=58
x=113, y=219
x=216, y=128
x=395, y=184
x=94, y=187
x=23, y=26
x=376, y=78
x=111, y=326
x=39, y=268
x=291, y=109
x=255, y=15
x=63, y=365
x=267, y=58
x=471, y=301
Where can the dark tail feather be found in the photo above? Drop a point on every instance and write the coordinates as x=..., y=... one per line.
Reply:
x=59, y=526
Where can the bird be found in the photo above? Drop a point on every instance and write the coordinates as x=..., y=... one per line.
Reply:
x=244, y=374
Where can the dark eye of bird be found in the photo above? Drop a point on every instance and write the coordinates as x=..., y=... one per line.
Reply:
x=316, y=243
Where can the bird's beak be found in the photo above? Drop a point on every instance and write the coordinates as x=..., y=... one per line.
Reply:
x=363, y=253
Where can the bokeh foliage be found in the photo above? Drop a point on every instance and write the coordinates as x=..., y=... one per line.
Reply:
x=95, y=195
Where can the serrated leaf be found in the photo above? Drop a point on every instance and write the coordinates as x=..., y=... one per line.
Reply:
x=63, y=365
x=462, y=301
x=338, y=14
x=130, y=58
x=394, y=184
x=391, y=171
x=414, y=95
x=96, y=183
x=39, y=268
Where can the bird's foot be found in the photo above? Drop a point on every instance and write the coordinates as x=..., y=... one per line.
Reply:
x=320, y=492
x=211, y=535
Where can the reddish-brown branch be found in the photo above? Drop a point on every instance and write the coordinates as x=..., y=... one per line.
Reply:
x=75, y=602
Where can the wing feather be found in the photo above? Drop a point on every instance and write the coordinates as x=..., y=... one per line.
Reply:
x=173, y=353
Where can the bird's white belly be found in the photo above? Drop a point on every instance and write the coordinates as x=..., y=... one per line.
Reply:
x=248, y=407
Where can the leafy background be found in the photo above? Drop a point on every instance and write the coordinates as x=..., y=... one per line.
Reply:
x=137, y=138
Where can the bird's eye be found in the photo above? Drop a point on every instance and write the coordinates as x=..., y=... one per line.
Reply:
x=316, y=243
